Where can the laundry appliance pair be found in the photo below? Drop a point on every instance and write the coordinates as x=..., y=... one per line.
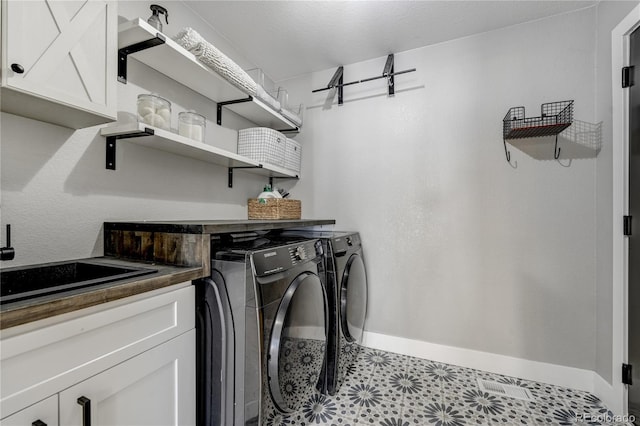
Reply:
x=269, y=327
x=345, y=279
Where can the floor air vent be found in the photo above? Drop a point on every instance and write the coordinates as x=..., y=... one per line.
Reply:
x=502, y=389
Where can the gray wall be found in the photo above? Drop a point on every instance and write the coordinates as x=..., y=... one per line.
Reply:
x=462, y=249
x=56, y=192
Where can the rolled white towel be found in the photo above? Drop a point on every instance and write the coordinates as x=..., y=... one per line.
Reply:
x=213, y=58
x=189, y=38
x=267, y=98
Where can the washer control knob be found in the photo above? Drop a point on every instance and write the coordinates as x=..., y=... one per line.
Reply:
x=300, y=253
x=349, y=242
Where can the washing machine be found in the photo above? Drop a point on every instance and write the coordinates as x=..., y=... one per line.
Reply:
x=346, y=282
x=262, y=318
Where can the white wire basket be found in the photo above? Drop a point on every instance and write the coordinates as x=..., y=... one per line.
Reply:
x=293, y=155
x=263, y=145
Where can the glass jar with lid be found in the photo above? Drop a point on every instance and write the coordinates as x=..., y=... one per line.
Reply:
x=154, y=111
x=191, y=125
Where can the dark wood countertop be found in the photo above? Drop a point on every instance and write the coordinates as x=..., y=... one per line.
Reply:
x=177, y=259
x=22, y=312
x=213, y=226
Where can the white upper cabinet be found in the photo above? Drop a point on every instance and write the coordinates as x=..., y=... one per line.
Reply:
x=59, y=60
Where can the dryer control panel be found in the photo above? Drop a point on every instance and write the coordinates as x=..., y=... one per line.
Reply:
x=341, y=244
x=280, y=259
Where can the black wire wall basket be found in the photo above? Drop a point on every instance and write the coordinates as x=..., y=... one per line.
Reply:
x=554, y=118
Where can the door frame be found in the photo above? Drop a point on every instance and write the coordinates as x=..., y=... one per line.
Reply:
x=620, y=51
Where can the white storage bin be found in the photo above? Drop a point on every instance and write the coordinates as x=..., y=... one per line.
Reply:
x=263, y=145
x=292, y=155
x=283, y=97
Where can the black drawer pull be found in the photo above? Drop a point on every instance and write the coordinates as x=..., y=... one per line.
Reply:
x=38, y=423
x=17, y=68
x=86, y=410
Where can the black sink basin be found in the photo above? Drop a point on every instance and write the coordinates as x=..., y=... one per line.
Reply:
x=34, y=281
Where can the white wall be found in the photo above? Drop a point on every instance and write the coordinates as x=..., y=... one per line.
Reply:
x=462, y=249
x=56, y=192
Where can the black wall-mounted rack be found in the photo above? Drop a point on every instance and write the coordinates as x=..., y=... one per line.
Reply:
x=388, y=73
x=554, y=118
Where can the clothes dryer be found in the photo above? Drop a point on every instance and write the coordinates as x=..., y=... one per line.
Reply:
x=346, y=281
x=272, y=307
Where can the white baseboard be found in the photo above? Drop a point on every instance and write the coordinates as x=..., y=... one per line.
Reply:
x=613, y=396
x=558, y=375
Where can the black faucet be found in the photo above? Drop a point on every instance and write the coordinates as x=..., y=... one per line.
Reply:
x=7, y=253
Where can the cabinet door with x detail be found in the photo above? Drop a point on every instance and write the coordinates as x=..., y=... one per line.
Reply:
x=63, y=51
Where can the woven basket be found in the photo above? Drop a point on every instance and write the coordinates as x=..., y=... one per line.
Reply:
x=274, y=208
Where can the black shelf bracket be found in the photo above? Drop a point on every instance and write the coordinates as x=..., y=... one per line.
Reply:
x=335, y=82
x=221, y=104
x=294, y=130
x=230, y=172
x=388, y=73
x=124, y=52
x=240, y=101
x=111, y=145
x=272, y=178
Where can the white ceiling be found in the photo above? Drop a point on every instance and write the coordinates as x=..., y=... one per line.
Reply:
x=290, y=38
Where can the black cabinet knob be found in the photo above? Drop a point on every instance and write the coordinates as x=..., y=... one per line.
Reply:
x=17, y=68
x=38, y=423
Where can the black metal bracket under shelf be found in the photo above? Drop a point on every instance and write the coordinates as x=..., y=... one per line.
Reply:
x=388, y=73
x=241, y=101
x=111, y=145
x=124, y=52
x=230, y=172
x=272, y=178
x=221, y=104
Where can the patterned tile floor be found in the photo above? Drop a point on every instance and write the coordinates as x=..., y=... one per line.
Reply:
x=387, y=389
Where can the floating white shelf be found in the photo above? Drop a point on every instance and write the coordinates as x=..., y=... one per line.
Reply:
x=152, y=137
x=177, y=63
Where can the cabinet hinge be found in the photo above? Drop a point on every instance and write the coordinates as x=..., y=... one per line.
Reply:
x=627, y=225
x=627, y=376
x=627, y=77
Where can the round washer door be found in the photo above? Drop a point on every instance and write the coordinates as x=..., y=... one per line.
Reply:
x=353, y=299
x=298, y=342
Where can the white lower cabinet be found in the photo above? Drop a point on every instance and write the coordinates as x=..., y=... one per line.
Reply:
x=130, y=363
x=153, y=388
x=39, y=414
